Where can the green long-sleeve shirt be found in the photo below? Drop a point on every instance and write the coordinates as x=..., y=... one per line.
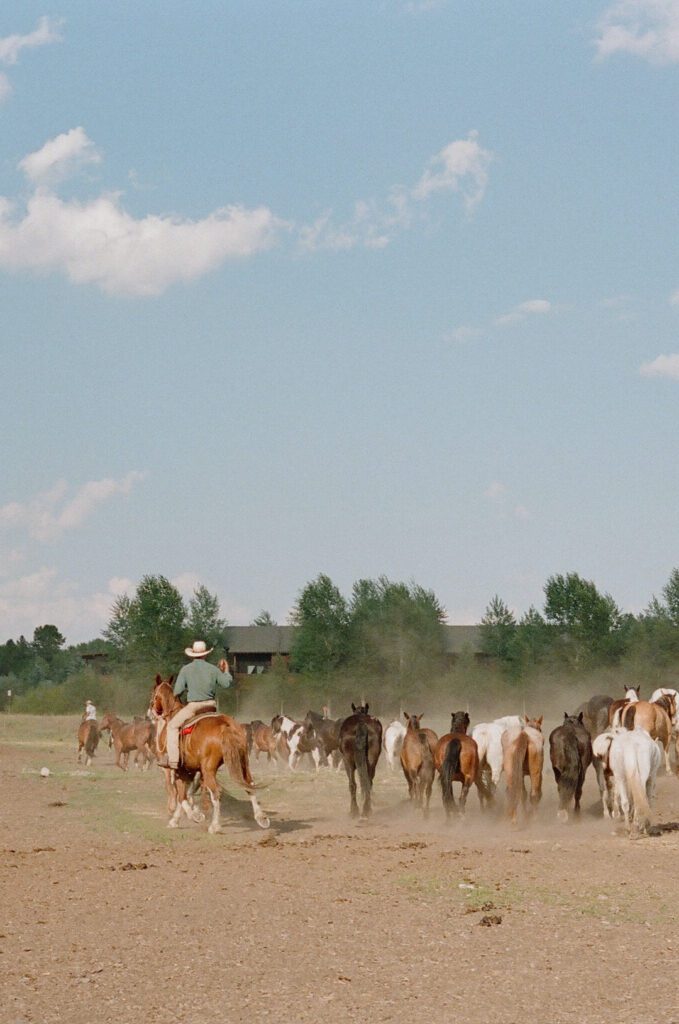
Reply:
x=200, y=680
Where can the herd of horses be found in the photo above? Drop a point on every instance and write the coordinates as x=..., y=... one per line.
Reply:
x=624, y=740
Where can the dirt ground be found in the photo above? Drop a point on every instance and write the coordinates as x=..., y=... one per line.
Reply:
x=106, y=915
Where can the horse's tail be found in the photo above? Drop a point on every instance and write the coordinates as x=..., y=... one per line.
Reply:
x=361, y=756
x=515, y=773
x=642, y=808
x=235, y=756
x=628, y=715
x=91, y=739
x=449, y=769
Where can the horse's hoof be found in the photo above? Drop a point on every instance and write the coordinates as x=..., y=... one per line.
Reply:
x=263, y=821
x=214, y=830
x=562, y=815
x=173, y=824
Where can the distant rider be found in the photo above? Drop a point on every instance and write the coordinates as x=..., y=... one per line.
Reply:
x=197, y=686
x=90, y=712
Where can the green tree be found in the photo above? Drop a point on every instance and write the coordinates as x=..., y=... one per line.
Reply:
x=204, y=622
x=264, y=618
x=590, y=624
x=322, y=621
x=396, y=629
x=499, y=631
x=47, y=642
x=118, y=630
x=671, y=594
x=157, y=617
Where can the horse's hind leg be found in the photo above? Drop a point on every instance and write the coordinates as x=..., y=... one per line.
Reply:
x=351, y=775
x=210, y=783
x=466, y=786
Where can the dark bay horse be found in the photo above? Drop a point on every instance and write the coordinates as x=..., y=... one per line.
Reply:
x=457, y=760
x=129, y=736
x=570, y=751
x=328, y=732
x=360, y=743
x=417, y=761
x=213, y=741
x=88, y=740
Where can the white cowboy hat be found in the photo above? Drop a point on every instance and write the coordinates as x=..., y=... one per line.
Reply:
x=199, y=650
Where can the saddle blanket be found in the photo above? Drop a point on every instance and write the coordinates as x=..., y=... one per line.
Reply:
x=187, y=729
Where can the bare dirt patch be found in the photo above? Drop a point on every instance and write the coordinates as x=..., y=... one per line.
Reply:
x=108, y=916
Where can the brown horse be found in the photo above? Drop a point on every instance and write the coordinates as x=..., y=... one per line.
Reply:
x=523, y=755
x=632, y=694
x=456, y=759
x=88, y=740
x=213, y=741
x=263, y=740
x=655, y=717
x=129, y=736
x=360, y=743
x=417, y=761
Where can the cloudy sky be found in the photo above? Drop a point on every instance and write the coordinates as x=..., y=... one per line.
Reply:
x=363, y=287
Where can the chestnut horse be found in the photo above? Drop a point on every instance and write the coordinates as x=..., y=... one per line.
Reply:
x=655, y=717
x=263, y=740
x=360, y=743
x=88, y=740
x=456, y=758
x=523, y=755
x=129, y=736
x=213, y=741
x=417, y=761
x=632, y=695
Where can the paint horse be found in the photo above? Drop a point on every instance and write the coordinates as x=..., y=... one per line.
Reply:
x=301, y=739
x=632, y=694
x=129, y=736
x=457, y=760
x=360, y=745
x=417, y=761
x=208, y=742
x=523, y=756
x=88, y=740
x=570, y=751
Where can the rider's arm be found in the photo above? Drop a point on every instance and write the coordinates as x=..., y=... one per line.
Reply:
x=224, y=679
x=180, y=685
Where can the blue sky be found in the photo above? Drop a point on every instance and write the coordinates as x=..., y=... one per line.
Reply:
x=361, y=288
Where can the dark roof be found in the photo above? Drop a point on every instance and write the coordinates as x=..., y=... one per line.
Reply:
x=259, y=639
x=278, y=639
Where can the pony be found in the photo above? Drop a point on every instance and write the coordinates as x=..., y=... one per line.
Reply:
x=570, y=751
x=634, y=761
x=655, y=718
x=360, y=745
x=301, y=738
x=595, y=713
x=128, y=736
x=88, y=740
x=632, y=695
x=393, y=742
x=417, y=761
x=327, y=731
x=209, y=742
x=456, y=759
x=523, y=751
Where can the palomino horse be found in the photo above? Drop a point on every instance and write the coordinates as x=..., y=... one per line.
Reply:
x=655, y=717
x=88, y=740
x=632, y=694
x=129, y=736
x=595, y=713
x=417, y=761
x=394, y=735
x=457, y=760
x=213, y=741
x=360, y=746
x=523, y=755
x=570, y=751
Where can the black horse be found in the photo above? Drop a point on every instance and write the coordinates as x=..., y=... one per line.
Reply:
x=570, y=751
x=360, y=743
x=328, y=732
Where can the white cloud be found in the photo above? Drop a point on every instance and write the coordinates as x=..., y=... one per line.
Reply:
x=495, y=491
x=662, y=366
x=462, y=334
x=643, y=28
x=523, y=310
x=46, y=31
x=49, y=514
x=60, y=156
x=97, y=242
x=461, y=166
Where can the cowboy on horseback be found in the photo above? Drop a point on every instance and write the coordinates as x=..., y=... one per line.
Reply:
x=90, y=712
x=197, y=686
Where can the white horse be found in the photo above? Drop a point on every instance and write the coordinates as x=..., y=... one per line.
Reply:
x=510, y=721
x=634, y=760
x=488, y=738
x=393, y=741
x=601, y=751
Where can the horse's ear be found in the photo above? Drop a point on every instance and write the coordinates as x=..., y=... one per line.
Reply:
x=565, y=714
x=353, y=706
x=406, y=716
x=366, y=708
x=581, y=716
x=170, y=681
x=159, y=679
x=540, y=720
